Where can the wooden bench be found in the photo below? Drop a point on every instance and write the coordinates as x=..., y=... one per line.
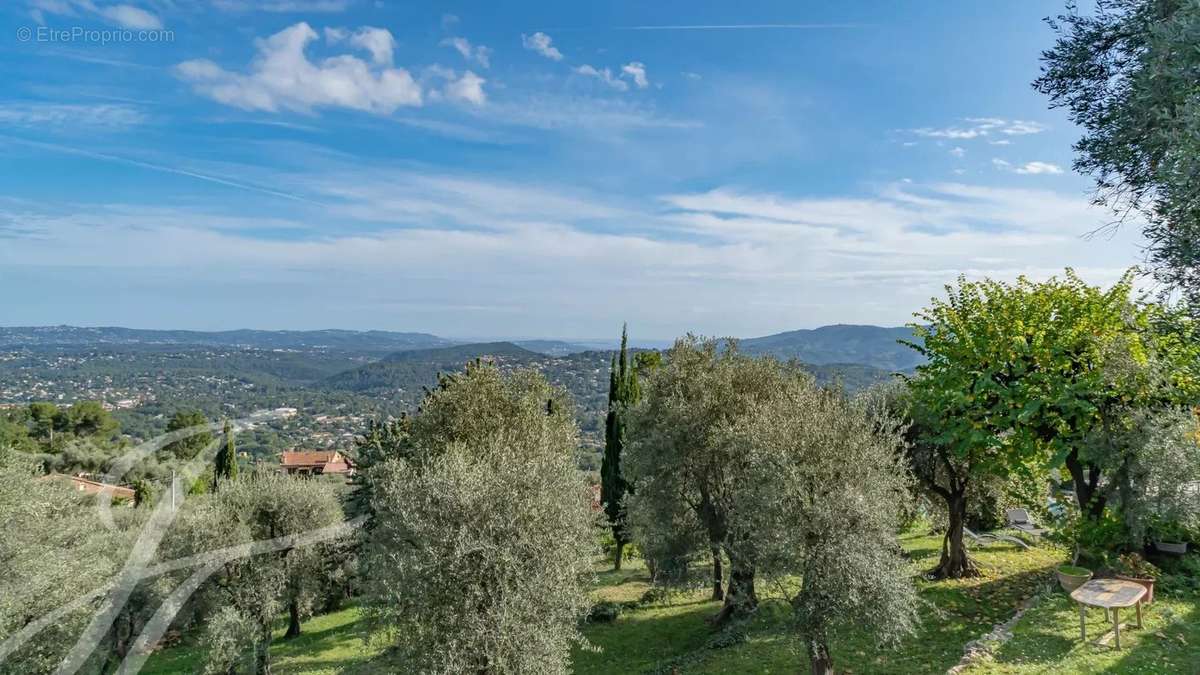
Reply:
x=1109, y=594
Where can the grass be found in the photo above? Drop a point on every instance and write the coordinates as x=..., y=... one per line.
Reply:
x=328, y=644
x=662, y=636
x=675, y=632
x=1046, y=640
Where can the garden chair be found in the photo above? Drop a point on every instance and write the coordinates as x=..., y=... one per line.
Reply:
x=1019, y=519
x=987, y=537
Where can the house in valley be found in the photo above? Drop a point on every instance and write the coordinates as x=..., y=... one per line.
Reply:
x=315, y=463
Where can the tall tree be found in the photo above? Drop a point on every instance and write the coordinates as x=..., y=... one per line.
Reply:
x=1015, y=379
x=478, y=558
x=824, y=484
x=225, y=465
x=1127, y=74
x=623, y=392
x=680, y=461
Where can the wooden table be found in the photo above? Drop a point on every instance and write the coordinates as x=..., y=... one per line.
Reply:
x=1109, y=594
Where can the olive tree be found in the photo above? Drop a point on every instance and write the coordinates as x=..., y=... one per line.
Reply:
x=826, y=486
x=1125, y=71
x=253, y=591
x=54, y=548
x=480, y=552
x=680, y=461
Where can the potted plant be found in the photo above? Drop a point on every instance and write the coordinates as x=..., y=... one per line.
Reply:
x=1169, y=538
x=1071, y=577
x=1133, y=567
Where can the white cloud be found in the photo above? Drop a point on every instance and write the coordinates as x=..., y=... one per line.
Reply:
x=713, y=261
x=132, y=17
x=281, y=76
x=958, y=152
x=637, y=71
x=1028, y=168
x=283, y=6
x=1002, y=141
x=1039, y=168
x=695, y=77
x=477, y=53
x=541, y=43
x=467, y=88
x=979, y=127
x=604, y=76
x=123, y=15
x=70, y=115
x=376, y=41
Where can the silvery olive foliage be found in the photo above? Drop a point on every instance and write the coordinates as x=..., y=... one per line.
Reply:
x=1160, y=484
x=804, y=482
x=257, y=589
x=54, y=547
x=827, y=482
x=480, y=553
x=687, y=478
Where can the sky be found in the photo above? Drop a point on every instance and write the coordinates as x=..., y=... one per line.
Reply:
x=548, y=169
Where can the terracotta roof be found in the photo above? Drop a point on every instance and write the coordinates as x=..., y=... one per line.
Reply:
x=313, y=458
x=92, y=487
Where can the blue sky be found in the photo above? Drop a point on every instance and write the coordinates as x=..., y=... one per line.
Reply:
x=478, y=169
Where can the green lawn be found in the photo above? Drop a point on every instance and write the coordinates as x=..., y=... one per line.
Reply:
x=675, y=633
x=1046, y=640
x=958, y=611
x=328, y=644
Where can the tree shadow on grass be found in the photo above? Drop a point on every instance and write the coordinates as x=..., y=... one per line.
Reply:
x=956, y=612
x=640, y=639
x=1049, y=634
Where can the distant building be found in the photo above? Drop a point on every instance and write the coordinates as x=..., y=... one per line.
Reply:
x=315, y=463
x=90, y=487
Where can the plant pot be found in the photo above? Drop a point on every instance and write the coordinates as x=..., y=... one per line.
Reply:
x=1175, y=547
x=1144, y=581
x=1069, y=581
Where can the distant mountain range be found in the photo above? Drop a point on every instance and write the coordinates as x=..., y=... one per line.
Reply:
x=874, y=346
x=345, y=340
x=842, y=343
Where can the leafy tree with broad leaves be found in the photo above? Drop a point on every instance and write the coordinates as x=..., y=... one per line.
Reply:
x=1126, y=72
x=1015, y=379
x=480, y=552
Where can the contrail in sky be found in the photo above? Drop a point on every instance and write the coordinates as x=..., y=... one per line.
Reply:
x=744, y=26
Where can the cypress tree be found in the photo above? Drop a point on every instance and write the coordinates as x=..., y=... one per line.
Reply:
x=226, y=466
x=623, y=391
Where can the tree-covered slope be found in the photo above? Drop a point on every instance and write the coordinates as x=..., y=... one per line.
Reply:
x=875, y=346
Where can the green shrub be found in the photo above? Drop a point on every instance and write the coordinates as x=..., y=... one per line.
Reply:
x=605, y=611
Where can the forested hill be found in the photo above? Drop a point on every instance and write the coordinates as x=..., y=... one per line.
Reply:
x=412, y=369
x=875, y=346
x=374, y=341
